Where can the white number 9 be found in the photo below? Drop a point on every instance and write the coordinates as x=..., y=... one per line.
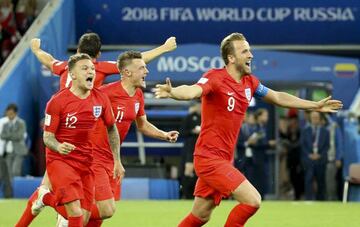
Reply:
x=231, y=104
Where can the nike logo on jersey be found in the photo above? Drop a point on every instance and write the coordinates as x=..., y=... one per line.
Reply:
x=71, y=114
x=230, y=93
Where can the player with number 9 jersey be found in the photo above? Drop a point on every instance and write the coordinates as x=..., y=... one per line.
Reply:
x=224, y=103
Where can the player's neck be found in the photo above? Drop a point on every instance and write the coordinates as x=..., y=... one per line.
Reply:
x=234, y=73
x=128, y=87
x=80, y=93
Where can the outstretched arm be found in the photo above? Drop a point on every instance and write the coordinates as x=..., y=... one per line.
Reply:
x=169, y=45
x=284, y=99
x=183, y=92
x=148, y=129
x=44, y=57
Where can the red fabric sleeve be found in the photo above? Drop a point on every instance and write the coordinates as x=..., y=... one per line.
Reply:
x=59, y=67
x=255, y=83
x=141, y=111
x=108, y=115
x=208, y=83
x=108, y=67
x=52, y=116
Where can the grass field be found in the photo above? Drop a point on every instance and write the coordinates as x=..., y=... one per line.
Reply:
x=169, y=213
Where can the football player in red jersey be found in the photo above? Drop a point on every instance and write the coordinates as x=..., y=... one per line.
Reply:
x=90, y=44
x=70, y=118
x=225, y=96
x=127, y=101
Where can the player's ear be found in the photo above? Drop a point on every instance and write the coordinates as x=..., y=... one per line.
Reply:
x=231, y=58
x=127, y=73
x=72, y=76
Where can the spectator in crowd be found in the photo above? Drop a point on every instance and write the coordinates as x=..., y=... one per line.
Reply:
x=315, y=145
x=334, y=165
x=9, y=36
x=284, y=178
x=5, y=181
x=25, y=13
x=244, y=159
x=259, y=143
x=190, y=130
x=294, y=166
x=16, y=16
x=13, y=133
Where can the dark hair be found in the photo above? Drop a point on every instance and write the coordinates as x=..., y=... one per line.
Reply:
x=227, y=47
x=75, y=58
x=13, y=107
x=260, y=112
x=125, y=58
x=90, y=44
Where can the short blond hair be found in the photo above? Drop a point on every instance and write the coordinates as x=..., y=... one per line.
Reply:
x=75, y=58
x=126, y=58
x=227, y=46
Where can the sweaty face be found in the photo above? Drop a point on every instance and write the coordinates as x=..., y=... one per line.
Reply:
x=138, y=72
x=242, y=56
x=83, y=74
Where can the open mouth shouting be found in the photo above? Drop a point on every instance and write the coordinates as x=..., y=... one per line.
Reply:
x=90, y=80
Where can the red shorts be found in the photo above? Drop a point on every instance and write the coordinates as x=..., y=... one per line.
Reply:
x=105, y=185
x=70, y=183
x=216, y=178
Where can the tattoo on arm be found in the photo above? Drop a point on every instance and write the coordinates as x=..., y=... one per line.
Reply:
x=114, y=140
x=50, y=141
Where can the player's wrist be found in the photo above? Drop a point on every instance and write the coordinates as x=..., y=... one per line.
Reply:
x=58, y=148
x=165, y=136
x=164, y=48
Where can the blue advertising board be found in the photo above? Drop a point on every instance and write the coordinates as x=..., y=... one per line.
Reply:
x=262, y=22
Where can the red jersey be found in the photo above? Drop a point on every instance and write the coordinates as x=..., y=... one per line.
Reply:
x=126, y=109
x=223, y=104
x=73, y=120
x=102, y=68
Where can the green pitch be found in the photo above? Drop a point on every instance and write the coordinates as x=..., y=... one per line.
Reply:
x=169, y=213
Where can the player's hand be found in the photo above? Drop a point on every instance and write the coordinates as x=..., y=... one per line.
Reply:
x=329, y=105
x=65, y=148
x=172, y=136
x=163, y=90
x=35, y=44
x=170, y=44
x=119, y=171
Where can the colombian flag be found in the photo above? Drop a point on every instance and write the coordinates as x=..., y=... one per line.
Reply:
x=346, y=70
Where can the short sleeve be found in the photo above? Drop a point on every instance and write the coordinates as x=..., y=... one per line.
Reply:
x=141, y=111
x=108, y=115
x=59, y=67
x=109, y=68
x=208, y=83
x=52, y=116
